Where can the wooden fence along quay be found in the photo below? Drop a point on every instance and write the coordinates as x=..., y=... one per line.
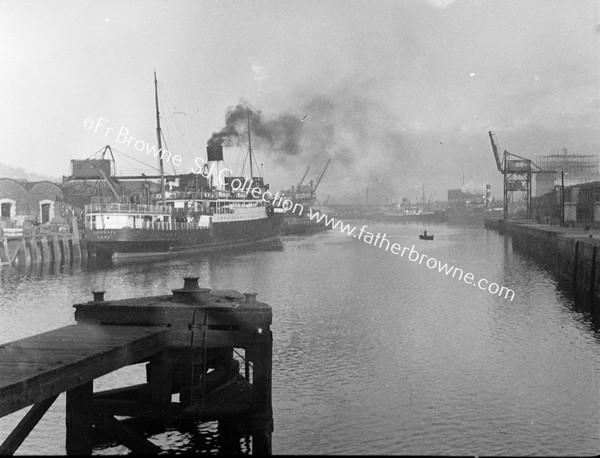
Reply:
x=211, y=348
x=22, y=247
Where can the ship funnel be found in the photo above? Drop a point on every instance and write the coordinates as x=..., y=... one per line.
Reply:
x=214, y=153
x=191, y=293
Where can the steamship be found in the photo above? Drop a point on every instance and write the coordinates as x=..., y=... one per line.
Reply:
x=220, y=215
x=416, y=213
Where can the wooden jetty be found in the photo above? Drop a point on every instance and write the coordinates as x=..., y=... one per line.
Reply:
x=208, y=356
x=20, y=247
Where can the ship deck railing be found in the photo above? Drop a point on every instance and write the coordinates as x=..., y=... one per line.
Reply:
x=171, y=226
x=128, y=208
x=157, y=226
x=200, y=196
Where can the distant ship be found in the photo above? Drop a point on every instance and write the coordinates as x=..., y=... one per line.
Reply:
x=471, y=207
x=413, y=213
x=475, y=215
x=185, y=221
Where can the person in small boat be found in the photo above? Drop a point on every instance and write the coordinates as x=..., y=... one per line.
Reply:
x=425, y=233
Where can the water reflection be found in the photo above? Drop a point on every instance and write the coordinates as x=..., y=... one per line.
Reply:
x=373, y=353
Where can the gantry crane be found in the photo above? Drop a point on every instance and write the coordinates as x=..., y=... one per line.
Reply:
x=517, y=174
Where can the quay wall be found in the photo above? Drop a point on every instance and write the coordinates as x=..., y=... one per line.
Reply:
x=570, y=253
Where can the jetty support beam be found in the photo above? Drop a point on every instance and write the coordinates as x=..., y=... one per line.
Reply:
x=79, y=427
x=25, y=426
x=129, y=438
x=262, y=409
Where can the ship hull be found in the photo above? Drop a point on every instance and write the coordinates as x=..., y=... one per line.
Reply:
x=302, y=227
x=301, y=224
x=139, y=243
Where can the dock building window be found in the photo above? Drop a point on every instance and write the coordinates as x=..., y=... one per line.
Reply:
x=46, y=211
x=8, y=209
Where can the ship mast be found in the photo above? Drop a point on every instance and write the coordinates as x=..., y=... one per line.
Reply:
x=250, y=146
x=158, y=138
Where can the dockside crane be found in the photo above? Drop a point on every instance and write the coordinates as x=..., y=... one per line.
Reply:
x=517, y=174
x=323, y=173
x=302, y=180
x=111, y=181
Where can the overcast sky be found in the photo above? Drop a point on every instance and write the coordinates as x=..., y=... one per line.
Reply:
x=397, y=93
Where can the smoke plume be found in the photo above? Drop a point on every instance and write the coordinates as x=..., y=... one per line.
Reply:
x=369, y=152
x=279, y=134
x=472, y=188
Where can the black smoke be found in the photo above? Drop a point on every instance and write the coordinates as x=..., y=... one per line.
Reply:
x=280, y=134
x=356, y=131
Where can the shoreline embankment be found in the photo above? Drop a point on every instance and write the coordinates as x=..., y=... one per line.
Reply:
x=571, y=253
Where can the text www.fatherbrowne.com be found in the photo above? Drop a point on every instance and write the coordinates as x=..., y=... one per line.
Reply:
x=381, y=241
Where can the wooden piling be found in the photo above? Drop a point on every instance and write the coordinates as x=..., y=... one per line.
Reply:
x=4, y=253
x=27, y=252
x=45, y=249
x=593, y=282
x=75, y=239
x=29, y=249
x=66, y=248
x=36, y=254
x=41, y=248
x=575, y=265
x=14, y=258
x=84, y=250
x=56, y=249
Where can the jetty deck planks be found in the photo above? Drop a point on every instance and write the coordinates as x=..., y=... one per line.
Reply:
x=39, y=367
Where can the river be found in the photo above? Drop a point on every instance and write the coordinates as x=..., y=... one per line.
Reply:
x=372, y=353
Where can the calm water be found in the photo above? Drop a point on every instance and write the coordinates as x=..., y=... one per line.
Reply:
x=372, y=353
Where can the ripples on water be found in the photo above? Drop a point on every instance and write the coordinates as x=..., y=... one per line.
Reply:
x=372, y=353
